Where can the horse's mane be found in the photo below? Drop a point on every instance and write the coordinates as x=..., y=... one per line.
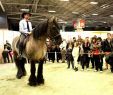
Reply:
x=40, y=29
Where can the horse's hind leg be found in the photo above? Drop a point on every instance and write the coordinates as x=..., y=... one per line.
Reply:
x=23, y=66
x=40, y=79
x=32, y=78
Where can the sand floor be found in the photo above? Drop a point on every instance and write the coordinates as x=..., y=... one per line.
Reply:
x=58, y=81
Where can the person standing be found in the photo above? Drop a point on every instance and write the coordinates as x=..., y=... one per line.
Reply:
x=86, y=49
x=8, y=46
x=25, y=28
x=96, y=51
x=75, y=54
x=69, y=56
x=107, y=46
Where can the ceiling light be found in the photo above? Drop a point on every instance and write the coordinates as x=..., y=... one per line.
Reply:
x=24, y=10
x=111, y=15
x=94, y=14
x=51, y=11
x=94, y=3
x=104, y=22
x=105, y=6
x=75, y=12
x=63, y=22
x=64, y=0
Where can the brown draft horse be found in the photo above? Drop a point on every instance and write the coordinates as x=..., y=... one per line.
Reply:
x=35, y=49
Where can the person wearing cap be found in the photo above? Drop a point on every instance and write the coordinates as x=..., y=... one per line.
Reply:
x=25, y=28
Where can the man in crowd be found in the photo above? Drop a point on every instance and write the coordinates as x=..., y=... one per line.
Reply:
x=107, y=46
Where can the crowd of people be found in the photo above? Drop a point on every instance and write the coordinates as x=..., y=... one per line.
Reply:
x=75, y=52
x=83, y=52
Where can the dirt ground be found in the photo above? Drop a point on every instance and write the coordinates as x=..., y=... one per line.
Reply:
x=58, y=81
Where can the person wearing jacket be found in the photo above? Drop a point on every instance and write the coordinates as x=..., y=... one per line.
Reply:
x=96, y=50
x=69, y=56
x=75, y=54
x=107, y=46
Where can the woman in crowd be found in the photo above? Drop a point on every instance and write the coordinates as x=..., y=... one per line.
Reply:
x=86, y=49
x=96, y=50
x=75, y=54
x=69, y=56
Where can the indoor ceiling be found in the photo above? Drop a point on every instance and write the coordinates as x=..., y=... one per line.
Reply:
x=95, y=12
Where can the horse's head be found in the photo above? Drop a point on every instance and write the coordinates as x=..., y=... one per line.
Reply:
x=54, y=31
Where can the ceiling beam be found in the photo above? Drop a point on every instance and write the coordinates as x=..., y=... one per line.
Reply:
x=3, y=9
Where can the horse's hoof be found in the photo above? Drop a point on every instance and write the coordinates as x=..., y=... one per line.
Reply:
x=19, y=77
x=40, y=81
x=32, y=84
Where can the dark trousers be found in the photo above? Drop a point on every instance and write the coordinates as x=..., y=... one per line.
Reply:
x=5, y=57
x=97, y=62
x=70, y=62
x=84, y=60
x=92, y=61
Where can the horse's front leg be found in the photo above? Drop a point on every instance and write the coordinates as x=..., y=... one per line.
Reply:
x=40, y=79
x=32, y=78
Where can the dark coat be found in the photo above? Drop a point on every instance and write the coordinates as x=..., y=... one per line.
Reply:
x=106, y=46
x=109, y=58
x=69, y=55
x=86, y=48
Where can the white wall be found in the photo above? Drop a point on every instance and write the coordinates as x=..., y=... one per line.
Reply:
x=70, y=35
x=9, y=35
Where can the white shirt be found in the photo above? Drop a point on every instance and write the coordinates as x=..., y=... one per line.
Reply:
x=23, y=26
x=63, y=45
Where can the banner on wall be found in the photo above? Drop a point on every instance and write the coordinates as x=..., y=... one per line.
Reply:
x=74, y=24
x=82, y=23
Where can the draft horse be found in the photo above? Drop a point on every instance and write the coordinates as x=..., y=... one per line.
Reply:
x=35, y=49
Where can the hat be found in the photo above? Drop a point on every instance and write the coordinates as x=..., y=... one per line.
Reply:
x=24, y=13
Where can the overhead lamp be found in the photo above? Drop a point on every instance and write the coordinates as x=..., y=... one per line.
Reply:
x=75, y=12
x=105, y=6
x=94, y=3
x=51, y=11
x=25, y=10
x=64, y=0
x=63, y=22
x=111, y=15
x=104, y=22
x=94, y=14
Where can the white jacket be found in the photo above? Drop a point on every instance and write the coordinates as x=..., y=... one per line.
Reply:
x=75, y=52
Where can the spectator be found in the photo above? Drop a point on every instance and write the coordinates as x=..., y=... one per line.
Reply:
x=5, y=55
x=8, y=46
x=75, y=54
x=107, y=46
x=69, y=55
x=95, y=48
x=86, y=49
